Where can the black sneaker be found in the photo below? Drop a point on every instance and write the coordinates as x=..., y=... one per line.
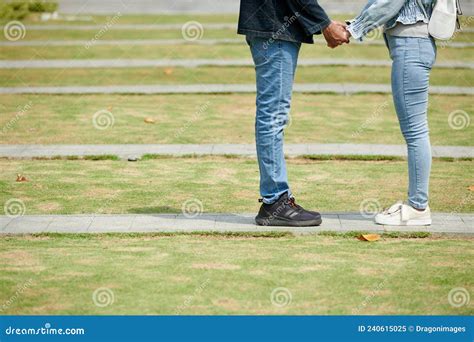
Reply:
x=285, y=212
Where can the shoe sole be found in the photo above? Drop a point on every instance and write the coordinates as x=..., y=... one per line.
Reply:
x=283, y=223
x=426, y=222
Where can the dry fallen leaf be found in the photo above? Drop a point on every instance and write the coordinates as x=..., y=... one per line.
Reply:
x=471, y=188
x=149, y=120
x=20, y=178
x=369, y=237
x=168, y=71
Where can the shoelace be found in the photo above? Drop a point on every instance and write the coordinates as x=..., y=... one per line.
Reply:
x=291, y=202
x=394, y=208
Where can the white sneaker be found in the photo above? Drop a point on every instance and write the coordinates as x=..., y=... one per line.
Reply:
x=401, y=214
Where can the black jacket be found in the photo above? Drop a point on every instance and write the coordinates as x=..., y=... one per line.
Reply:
x=292, y=20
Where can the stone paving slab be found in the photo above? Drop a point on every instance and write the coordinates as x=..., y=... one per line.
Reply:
x=64, y=224
x=28, y=224
x=194, y=63
x=291, y=150
x=338, y=222
x=453, y=152
x=105, y=223
x=311, y=88
x=149, y=42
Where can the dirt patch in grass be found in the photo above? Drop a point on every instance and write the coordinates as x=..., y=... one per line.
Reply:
x=158, y=256
x=227, y=304
x=215, y=266
x=87, y=261
x=445, y=264
x=20, y=258
x=257, y=272
x=50, y=307
x=105, y=193
x=318, y=257
x=180, y=279
x=78, y=274
x=68, y=276
x=312, y=268
x=48, y=206
x=225, y=174
x=134, y=249
x=368, y=271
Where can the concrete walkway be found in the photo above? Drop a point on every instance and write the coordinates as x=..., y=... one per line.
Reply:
x=291, y=150
x=194, y=63
x=314, y=88
x=338, y=222
x=149, y=42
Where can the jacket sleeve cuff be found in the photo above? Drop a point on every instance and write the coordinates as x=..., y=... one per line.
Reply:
x=317, y=29
x=357, y=28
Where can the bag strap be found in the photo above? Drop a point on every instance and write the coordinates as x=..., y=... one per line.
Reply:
x=420, y=4
x=458, y=12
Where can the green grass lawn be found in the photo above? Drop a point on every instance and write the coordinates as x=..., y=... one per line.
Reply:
x=189, y=275
x=225, y=185
x=166, y=19
x=141, y=19
x=221, y=51
x=217, y=119
x=129, y=34
x=317, y=74
x=118, y=34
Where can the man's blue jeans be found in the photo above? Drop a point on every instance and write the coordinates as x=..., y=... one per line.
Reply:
x=275, y=66
x=413, y=59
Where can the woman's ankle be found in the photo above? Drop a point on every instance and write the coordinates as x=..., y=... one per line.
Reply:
x=416, y=207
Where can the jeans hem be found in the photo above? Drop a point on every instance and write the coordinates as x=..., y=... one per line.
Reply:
x=275, y=197
x=416, y=206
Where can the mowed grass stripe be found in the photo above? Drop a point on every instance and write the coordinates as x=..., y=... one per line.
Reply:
x=72, y=34
x=214, y=75
x=195, y=63
x=235, y=275
x=165, y=18
x=204, y=119
x=229, y=51
x=135, y=19
x=119, y=34
x=163, y=185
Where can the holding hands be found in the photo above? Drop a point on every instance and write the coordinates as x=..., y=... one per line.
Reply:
x=336, y=34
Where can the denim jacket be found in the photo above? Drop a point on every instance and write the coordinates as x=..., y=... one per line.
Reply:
x=291, y=20
x=388, y=13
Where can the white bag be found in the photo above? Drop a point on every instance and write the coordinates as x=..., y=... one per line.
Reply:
x=443, y=19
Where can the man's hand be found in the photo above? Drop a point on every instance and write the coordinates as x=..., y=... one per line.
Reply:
x=336, y=34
